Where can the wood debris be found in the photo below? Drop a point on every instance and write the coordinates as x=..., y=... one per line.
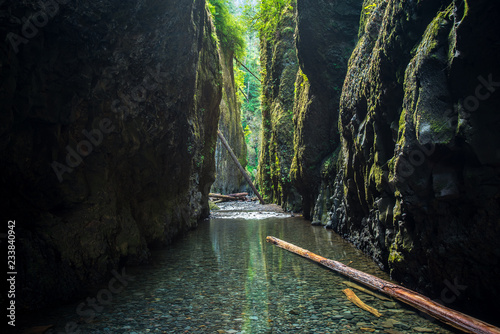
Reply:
x=353, y=298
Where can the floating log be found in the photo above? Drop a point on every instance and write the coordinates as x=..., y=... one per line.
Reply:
x=242, y=170
x=368, y=292
x=451, y=317
x=353, y=298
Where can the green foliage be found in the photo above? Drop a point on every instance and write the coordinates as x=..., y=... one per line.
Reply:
x=288, y=30
x=248, y=88
x=247, y=132
x=251, y=114
x=239, y=81
x=213, y=206
x=269, y=15
x=229, y=28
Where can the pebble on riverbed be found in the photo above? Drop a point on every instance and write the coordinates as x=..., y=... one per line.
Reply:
x=224, y=278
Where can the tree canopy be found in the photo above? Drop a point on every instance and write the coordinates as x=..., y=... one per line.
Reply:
x=229, y=27
x=266, y=17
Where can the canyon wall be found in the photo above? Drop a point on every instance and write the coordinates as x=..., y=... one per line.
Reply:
x=305, y=61
x=108, y=125
x=326, y=36
x=395, y=135
x=419, y=166
x=228, y=178
x=280, y=65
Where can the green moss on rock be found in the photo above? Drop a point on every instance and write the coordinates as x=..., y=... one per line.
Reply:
x=279, y=59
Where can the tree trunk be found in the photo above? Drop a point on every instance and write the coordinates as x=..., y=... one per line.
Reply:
x=227, y=197
x=238, y=195
x=451, y=317
x=246, y=68
x=240, y=167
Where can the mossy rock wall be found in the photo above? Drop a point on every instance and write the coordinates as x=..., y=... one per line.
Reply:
x=418, y=181
x=280, y=65
x=228, y=177
x=326, y=36
x=133, y=88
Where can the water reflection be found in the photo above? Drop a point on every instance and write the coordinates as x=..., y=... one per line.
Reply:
x=224, y=278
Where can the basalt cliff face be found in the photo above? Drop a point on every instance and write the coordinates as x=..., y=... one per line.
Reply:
x=280, y=65
x=326, y=36
x=395, y=135
x=305, y=61
x=108, y=125
x=228, y=178
x=419, y=166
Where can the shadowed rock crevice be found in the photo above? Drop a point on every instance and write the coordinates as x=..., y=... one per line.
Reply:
x=326, y=35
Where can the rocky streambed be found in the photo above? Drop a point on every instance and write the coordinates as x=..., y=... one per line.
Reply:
x=224, y=278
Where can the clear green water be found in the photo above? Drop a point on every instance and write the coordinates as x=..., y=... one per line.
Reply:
x=224, y=278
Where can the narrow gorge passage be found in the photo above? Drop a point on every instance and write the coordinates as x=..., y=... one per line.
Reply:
x=369, y=127
x=224, y=278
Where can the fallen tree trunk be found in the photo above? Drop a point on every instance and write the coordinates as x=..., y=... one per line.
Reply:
x=239, y=195
x=451, y=317
x=246, y=68
x=242, y=170
x=228, y=197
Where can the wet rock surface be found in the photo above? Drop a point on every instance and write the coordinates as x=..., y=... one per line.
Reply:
x=249, y=210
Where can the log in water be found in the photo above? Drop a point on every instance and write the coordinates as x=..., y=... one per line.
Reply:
x=451, y=317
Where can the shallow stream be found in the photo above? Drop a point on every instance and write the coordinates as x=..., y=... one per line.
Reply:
x=224, y=278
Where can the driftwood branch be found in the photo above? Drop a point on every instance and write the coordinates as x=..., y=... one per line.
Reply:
x=368, y=292
x=353, y=298
x=238, y=195
x=451, y=317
